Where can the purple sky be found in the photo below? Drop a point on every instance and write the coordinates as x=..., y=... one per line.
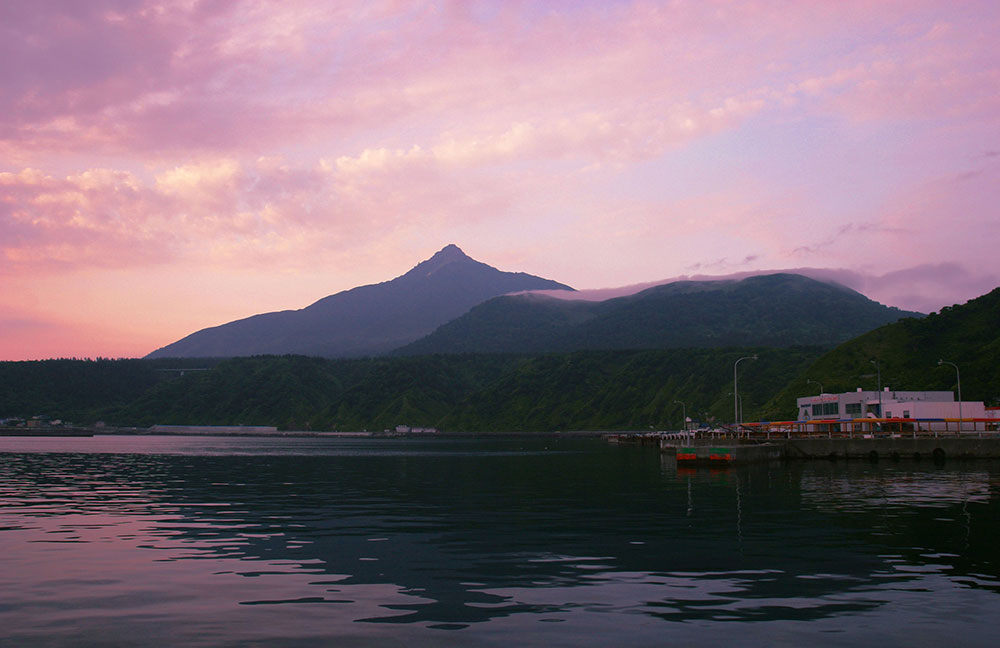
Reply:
x=167, y=166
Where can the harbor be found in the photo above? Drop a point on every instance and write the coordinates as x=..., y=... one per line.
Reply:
x=868, y=439
x=848, y=425
x=716, y=452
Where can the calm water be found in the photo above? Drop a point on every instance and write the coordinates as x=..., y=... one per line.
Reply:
x=202, y=541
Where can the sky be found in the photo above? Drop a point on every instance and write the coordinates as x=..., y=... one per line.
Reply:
x=169, y=166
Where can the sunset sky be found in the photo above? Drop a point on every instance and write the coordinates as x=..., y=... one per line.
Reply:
x=167, y=166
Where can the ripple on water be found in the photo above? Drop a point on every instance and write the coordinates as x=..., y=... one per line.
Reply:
x=205, y=542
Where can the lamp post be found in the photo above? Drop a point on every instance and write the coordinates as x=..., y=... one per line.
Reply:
x=736, y=402
x=740, y=400
x=958, y=378
x=878, y=370
x=683, y=414
x=821, y=392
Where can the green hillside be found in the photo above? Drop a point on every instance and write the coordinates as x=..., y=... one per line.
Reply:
x=907, y=353
x=632, y=390
x=583, y=390
x=777, y=310
x=81, y=390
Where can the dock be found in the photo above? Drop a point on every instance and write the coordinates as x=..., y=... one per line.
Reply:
x=740, y=451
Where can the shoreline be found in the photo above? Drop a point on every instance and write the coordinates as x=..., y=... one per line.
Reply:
x=264, y=431
x=363, y=434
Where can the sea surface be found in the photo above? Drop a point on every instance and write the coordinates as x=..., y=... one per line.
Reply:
x=235, y=541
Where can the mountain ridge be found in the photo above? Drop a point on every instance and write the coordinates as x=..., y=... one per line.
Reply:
x=781, y=309
x=451, y=303
x=365, y=320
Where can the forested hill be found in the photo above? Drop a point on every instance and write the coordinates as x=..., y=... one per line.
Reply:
x=777, y=310
x=84, y=391
x=594, y=390
x=907, y=353
x=575, y=391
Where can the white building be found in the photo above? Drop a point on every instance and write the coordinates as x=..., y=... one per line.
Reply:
x=927, y=408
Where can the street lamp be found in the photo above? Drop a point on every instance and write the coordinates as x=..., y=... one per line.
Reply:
x=878, y=370
x=740, y=399
x=958, y=377
x=684, y=414
x=736, y=403
x=821, y=392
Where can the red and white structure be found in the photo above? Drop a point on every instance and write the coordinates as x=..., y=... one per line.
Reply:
x=932, y=411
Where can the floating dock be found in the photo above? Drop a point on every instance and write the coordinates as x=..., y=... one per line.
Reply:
x=712, y=452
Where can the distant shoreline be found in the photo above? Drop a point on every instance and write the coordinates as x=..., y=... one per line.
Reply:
x=45, y=432
x=258, y=431
x=363, y=434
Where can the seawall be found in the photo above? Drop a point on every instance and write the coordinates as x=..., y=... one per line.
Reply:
x=900, y=448
x=714, y=451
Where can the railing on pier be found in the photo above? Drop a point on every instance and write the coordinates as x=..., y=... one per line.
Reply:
x=867, y=428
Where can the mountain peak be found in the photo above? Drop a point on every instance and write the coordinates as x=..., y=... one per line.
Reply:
x=445, y=256
x=367, y=320
x=449, y=253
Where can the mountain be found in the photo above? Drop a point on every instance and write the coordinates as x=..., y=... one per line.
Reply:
x=777, y=310
x=907, y=353
x=593, y=390
x=367, y=320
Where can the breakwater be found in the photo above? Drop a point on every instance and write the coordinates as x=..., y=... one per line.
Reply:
x=45, y=431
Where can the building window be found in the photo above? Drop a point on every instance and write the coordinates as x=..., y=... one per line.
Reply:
x=852, y=409
x=826, y=409
x=906, y=413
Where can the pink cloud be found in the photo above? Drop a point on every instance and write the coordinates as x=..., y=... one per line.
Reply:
x=597, y=143
x=99, y=216
x=237, y=76
x=262, y=212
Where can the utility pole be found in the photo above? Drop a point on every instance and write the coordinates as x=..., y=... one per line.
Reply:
x=683, y=414
x=878, y=370
x=736, y=402
x=958, y=377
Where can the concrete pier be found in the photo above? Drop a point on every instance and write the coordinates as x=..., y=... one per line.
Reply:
x=720, y=451
x=894, y=448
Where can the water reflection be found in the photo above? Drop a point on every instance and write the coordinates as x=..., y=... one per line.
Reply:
x=453, y=536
